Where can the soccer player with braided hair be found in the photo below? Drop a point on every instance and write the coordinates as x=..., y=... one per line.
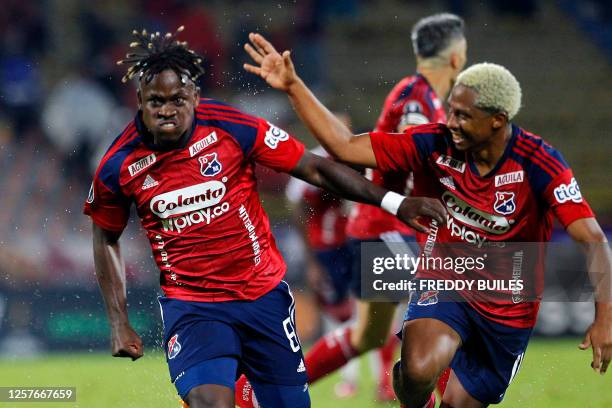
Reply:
x=187, y=164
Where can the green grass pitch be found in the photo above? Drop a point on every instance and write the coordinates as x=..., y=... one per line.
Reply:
x=554, y=374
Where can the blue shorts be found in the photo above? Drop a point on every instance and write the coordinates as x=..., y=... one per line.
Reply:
x=337, y=265
x=392, y=237
x=491, y=353
x=215, y=342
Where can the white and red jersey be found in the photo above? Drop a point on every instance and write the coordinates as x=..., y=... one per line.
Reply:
x=411, y=102
x=326, y=218
x=198, y=203
x=513, y=203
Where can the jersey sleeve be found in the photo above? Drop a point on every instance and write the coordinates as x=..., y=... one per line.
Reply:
x=564, y=198
x=105, y=204
x=408, y=151
x=275, y=148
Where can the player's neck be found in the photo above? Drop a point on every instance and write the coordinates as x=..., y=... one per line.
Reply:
x=438, y=78
x=486, y=158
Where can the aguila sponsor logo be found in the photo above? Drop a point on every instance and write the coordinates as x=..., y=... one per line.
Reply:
x=451, y=162
x=509, y=178
x=188, y=199
x=466, y=214
x=141, y=164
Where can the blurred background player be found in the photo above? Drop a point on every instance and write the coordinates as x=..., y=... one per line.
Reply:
x=440, y=47
x=321, y=218
x=188, y=166
x=467, y=164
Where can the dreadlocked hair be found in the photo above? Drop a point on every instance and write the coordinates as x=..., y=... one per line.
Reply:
x=156, y=53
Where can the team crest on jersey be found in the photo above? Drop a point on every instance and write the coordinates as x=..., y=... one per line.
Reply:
x=210, y=165
x=504, y=202
x=428, y=298
x=174, y=347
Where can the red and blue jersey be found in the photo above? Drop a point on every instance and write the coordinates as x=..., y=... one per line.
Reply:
x=515, y=202
x=198, y=203
x=411, y=102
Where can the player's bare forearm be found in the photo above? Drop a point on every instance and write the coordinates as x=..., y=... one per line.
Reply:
x=110, y=272
x=328, y=129
x=349, y=184
x=337, y=179
x=589, y=234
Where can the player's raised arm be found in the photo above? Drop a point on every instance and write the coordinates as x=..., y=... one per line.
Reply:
x=588, y=233
x=110, y=272
x=278, y=71
x=347, y=183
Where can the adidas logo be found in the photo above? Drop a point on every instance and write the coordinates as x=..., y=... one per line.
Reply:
x=301, y=368
x=149, y=182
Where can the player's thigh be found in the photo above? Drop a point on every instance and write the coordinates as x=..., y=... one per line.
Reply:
x=373, y=324
x=281, y=396
x=456, y=396
x=490, y=358
x=271, y=349
x=210, y=396
x=428, y=347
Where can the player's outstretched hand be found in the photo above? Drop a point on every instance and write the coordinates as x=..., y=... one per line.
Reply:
x=599, y=337
x=414, y=207
x=126, y=343
x=276, y=69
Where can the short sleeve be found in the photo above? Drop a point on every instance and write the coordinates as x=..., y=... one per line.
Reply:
x=564, y=198
x=275, y=148
x=108, y=209
x=406, y=151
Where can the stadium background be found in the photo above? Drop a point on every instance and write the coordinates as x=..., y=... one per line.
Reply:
x=62, y=102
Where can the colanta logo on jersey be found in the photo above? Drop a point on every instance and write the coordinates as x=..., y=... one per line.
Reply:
x=210, y=165
x=142, y=164
x=568, y=192
x=275, y=135
x=188, y=199
x=466, y=214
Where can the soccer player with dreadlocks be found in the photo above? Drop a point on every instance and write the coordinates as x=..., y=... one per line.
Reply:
x=187, y=164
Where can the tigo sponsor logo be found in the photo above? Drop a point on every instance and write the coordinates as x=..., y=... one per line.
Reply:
x=275, y=135
x=568, y=192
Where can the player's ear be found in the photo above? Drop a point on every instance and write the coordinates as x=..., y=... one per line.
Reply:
x=196, y=94
x=499, y=120
x=139, y=97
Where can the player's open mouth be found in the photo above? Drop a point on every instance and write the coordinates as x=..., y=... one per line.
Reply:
x=167, y=125
x=457, y=138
